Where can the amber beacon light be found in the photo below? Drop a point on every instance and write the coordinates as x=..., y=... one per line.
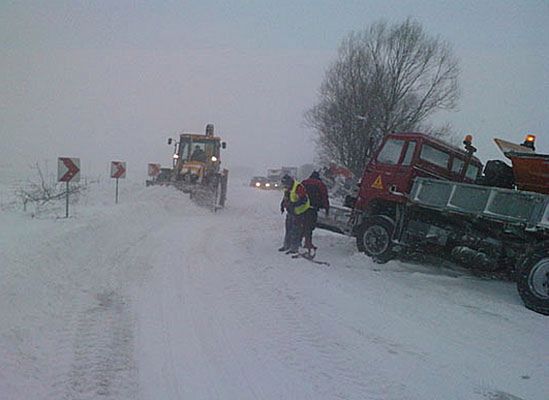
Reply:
x=468, y=142
x=529, y=141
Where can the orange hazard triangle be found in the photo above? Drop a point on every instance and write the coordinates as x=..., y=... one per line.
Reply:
x=377, y=183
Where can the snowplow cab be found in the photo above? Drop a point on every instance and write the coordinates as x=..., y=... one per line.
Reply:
x=197, y=168
x=197, y=157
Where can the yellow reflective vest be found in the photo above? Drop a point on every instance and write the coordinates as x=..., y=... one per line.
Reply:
x=294, y=197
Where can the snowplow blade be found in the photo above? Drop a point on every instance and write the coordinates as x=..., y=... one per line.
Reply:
x=531, y=171
x=211, y=196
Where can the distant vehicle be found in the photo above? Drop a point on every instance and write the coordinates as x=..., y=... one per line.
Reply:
x=261, y=182
x=275, y=175
x=292, y=171
x=275, y=184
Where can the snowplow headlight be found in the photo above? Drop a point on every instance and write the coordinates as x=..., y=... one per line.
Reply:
x=214, y=158
x=257, y=184
x=175, y=156
x=267, y=185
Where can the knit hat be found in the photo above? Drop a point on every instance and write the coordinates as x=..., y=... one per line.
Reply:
x=287, y=180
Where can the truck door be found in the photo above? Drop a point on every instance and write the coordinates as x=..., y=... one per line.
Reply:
x=389, y=172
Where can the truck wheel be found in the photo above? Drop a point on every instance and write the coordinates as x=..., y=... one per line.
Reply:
x=533, y=280
x=374, y=238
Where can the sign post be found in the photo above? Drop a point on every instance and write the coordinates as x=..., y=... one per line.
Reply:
x=68, y=170
x=67, y=200
x=118, y=170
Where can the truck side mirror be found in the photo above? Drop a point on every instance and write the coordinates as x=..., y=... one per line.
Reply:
x=223, y=145
x=170, y=141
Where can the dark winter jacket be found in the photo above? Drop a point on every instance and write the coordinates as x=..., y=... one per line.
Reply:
x=318, y=193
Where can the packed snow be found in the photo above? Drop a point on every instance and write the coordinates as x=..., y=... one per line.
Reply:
x=157, y=298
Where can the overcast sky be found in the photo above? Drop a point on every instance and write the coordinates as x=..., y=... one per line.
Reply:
x=109, y=80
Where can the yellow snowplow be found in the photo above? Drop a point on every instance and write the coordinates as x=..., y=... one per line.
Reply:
x=196, y=168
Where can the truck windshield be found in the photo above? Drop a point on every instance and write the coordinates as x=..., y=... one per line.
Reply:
x=409, y=153
x=434, y=156
x=390, y=153
x=457, y=165
x=197, y=150
x=472, y=172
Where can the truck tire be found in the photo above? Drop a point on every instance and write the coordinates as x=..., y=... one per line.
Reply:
x=374, y=238
x=533, y=279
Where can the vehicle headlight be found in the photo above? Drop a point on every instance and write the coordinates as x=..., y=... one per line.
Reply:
x=214, y=158
x=267, y=185
x=257, y=184
x=176, y=156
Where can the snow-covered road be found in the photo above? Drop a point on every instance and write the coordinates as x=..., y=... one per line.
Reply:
x=156, y=298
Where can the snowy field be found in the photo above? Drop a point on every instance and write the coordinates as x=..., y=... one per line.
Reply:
x=155, y=298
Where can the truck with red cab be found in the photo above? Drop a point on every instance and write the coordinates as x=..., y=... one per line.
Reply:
x=420, y=195
x=401, y=158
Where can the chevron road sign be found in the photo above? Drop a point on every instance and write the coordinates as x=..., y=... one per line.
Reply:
x=118, y=169
x=153, y=169
x=68, y=169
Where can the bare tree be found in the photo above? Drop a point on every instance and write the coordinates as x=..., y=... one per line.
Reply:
x=385, y=79
x=43, y=189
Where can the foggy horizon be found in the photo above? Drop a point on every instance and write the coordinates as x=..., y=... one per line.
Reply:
x=113, y=81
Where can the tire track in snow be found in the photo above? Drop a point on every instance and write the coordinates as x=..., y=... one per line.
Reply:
x=310, y=349
x=304, y=336
x=291, y=335
x=96, y=346
x=103, y=364
x=176, y=354
x=201, y=320
x=203, y=307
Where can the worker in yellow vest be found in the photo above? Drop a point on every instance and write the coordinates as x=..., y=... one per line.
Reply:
x=296, y=203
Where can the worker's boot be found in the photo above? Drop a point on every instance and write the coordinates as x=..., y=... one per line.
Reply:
x=311, y=248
